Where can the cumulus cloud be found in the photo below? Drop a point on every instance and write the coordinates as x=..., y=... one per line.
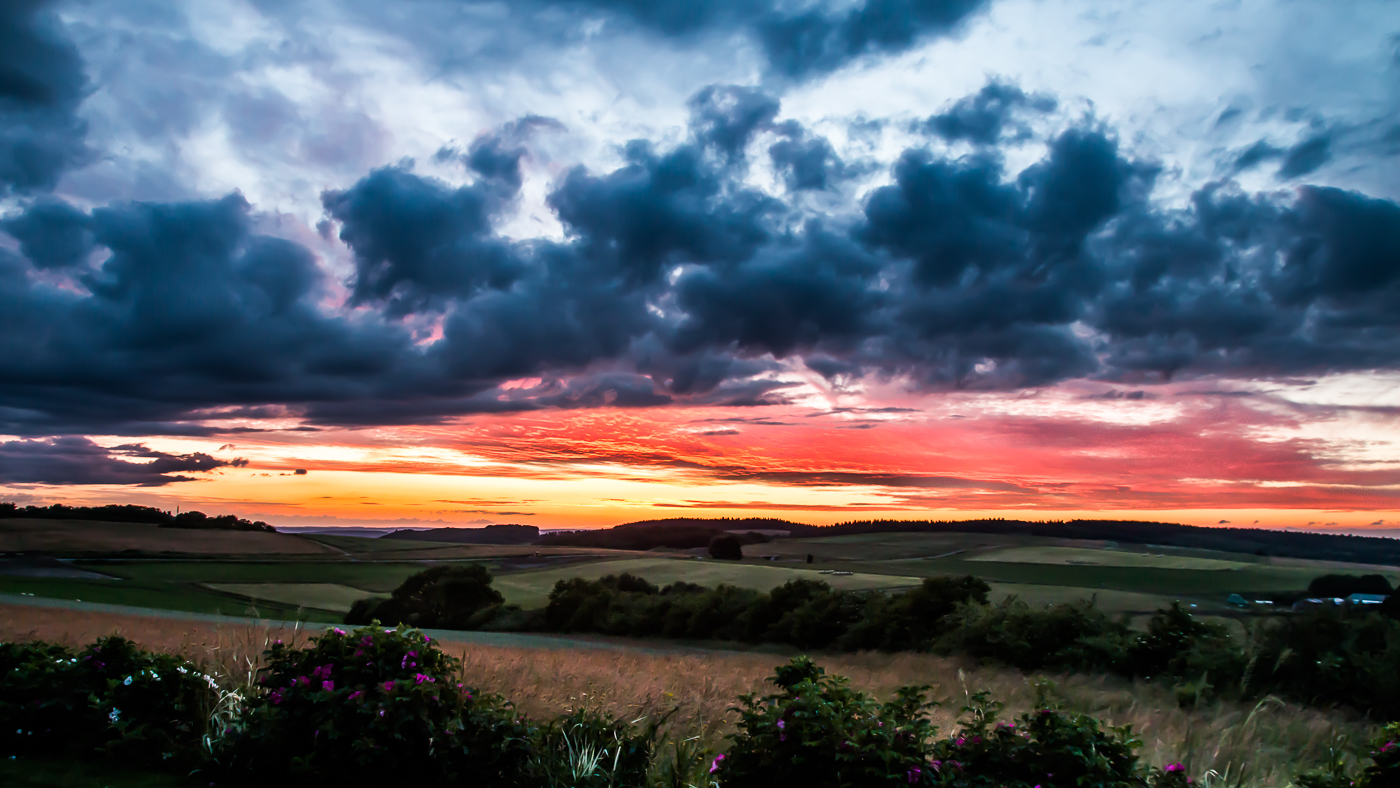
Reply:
x=984, y=117
x=41, y=85
x=678, y=280
x=76, y=460
x=798, y=41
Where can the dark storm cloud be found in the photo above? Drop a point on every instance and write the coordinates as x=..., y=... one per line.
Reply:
x=1306, y=156
x=807, y=163
x=1255, y=155
x=678, y=282
x=418, y=242
x=41, y=85
x=819, y=41
x=75, y=460
x=190, y=310
x=662, y=209
x=52, y=234
x=726, y=116
x=985, y=116
x=800, y=41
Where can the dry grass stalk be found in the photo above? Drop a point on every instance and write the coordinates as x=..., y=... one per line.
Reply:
x=1260, y=744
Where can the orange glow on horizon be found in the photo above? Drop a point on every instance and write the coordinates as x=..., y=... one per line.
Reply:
x=1179, y=456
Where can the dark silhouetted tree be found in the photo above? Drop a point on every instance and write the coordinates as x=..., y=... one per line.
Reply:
x=726, y=547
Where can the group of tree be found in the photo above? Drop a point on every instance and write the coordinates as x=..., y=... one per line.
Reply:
x=693, y=532
x=127, y=513
x=1330, y=656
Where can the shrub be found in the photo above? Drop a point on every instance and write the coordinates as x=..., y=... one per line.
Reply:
x=727, y=547
x=111, y=698
x=1346, y=585
x=913, y=620
x=1044, y=747
x=373, y=704
x=816, y=731
x=1177, y=646
x=1332, y=656
x=444, y=596
x=1070, y=636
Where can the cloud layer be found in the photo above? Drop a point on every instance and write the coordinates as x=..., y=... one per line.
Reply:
x=721, y=250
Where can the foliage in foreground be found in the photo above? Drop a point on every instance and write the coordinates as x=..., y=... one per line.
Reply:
x=110, y=698
x=376, y=704
x=1327, y=656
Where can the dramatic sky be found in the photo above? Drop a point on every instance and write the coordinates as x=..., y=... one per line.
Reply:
x=579, y=262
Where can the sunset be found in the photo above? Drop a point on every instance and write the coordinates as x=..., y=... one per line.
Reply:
x=641, y=261
x=700, y=393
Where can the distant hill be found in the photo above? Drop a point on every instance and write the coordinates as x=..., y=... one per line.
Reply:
x=127, y=513
x=491, y=534
x=681, y=533
x=686, y=532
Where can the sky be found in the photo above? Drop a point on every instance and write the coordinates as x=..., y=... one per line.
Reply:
x=573, y=263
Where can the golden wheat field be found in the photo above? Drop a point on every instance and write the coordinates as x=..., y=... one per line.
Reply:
x=1222, y=744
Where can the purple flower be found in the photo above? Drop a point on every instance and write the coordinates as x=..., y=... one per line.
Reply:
x=781, y=724
x=916, y=772
x=1174, y=767
x=338, y=630
x=714, y=766
x=388, y=686
x=328, y=685
x=356, y=694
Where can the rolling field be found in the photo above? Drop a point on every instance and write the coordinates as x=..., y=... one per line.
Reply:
x=324, y=574
x=79, y=537
x=322, y=596
x=1081, y=556
x=531, y=589
x=376, y=576
x=161, y=596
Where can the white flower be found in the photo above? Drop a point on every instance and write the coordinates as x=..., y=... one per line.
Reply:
x=127, y=682
x=116, y=713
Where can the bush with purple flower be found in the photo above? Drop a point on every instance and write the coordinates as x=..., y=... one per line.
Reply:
x=370, y=704
x=816, y=731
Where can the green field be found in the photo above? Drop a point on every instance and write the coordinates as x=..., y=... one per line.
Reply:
x=370, y=576
x=1082, y=556
x=531, y=589
x=1125, y=579
x=322, y=596
x=162, y=596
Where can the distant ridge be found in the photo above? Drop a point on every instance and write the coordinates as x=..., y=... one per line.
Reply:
x=504, y=533
x=692, y=532
x=129, y=513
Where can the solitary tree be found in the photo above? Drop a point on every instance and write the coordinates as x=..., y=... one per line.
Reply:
x=726, y=547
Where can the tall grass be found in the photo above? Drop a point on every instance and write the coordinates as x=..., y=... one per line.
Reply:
x=1222, y=744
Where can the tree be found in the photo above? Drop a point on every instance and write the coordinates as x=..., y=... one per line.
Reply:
x=726, y=547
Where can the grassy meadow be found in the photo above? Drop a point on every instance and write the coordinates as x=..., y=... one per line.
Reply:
x=1222, y=744
x=317, y=577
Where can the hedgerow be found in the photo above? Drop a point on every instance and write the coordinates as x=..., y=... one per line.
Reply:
x=1327, y=657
